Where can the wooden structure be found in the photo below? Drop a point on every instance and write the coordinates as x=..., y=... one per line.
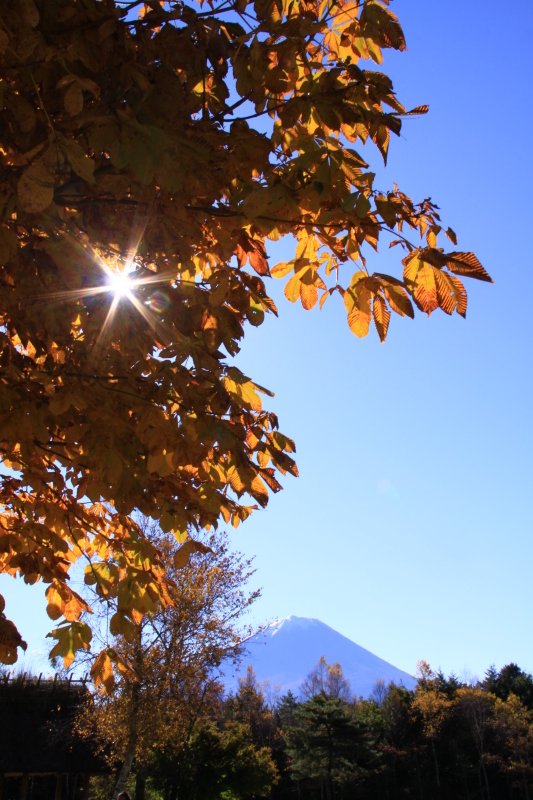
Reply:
x=41, y=755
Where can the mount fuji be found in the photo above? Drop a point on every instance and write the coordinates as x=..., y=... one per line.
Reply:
x=289, y=648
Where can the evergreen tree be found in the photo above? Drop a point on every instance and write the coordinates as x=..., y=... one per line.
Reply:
x=327, y=745
x=510, y=680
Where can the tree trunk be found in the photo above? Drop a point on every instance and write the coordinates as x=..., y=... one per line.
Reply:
x=466, y=784
x=125, y=769
x=436, y=765
x=59, y=785
x=486, y=780
x=129, y=755
x=140, y=783
x=24, y=782
x=419, y=779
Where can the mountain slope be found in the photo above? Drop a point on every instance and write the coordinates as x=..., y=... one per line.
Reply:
x=289, y=649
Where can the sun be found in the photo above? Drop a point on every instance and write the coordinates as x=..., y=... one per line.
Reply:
x=120, y=283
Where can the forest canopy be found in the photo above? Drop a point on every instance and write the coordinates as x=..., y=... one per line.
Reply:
x=148, y=154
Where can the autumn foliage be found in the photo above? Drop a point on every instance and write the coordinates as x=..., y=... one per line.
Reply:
x=128, y=146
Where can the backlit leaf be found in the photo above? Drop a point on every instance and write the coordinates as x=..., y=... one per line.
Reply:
x=308, y=295
x=467, y=264
x=137, y=149
x=292, y=289
x=381, y=315
x=182, y=556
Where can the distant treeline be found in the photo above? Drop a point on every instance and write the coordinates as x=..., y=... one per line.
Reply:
x=444, y=739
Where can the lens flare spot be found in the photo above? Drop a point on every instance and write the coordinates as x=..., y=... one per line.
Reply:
x=159, y=301
x=386, y=488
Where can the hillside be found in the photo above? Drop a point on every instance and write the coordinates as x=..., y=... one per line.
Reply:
x=289, y=649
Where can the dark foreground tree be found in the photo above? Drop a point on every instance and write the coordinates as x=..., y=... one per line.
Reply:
x=327, y=745
x=136, y=199
x=215, y=764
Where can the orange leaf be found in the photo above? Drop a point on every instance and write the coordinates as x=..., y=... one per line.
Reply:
x=102, y=672
x=426, y=289
x=381, y=316
x=308, y=295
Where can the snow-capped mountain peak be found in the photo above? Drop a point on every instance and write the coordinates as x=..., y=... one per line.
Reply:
x=290, y=647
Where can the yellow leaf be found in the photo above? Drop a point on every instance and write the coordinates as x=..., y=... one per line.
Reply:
x=359, y=322
x=259, y=491
x=292, y=289
x=263, y=459
x=281, y=269
x=426, y=289
x=70, y=638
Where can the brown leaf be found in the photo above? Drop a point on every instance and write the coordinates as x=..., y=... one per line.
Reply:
x=4, y=41
x=467, y=264
x=445, y=292
x=29, y=12
x=182, y=556
x=417, y=110
x=10, y=638
x=399, y=301
x=36, y=187
x=8, y=245
x=73, y=100
x=460, y=295
x=258, y=262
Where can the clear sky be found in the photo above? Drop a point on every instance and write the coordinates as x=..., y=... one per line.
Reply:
x=409, y=529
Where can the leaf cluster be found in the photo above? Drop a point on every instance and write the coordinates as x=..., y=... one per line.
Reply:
x=127, y=145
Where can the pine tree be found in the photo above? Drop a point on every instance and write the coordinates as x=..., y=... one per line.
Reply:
x=327, y=745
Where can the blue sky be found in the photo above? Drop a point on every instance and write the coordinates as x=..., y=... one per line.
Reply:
x=409, y=529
